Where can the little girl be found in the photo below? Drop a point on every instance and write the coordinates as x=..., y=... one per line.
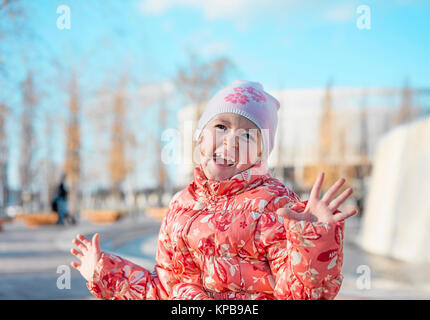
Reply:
x=235, y=232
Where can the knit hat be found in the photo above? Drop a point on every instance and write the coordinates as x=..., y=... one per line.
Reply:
x=248, y=99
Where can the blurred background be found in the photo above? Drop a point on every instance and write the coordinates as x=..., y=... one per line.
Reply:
x=99, y=100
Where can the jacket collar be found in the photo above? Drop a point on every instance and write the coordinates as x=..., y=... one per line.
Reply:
x=239, y=183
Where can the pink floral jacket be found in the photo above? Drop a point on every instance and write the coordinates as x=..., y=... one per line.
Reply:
x=223, y=240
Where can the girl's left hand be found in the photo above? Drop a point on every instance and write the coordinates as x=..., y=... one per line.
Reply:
x=322, y=210
x=89, y=255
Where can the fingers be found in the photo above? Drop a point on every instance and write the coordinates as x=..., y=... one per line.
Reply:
x=75, y=265
x=80, y=245
x=316, y=189
x=84, y=240
x=96, y=243
x=344, y=215
x=76, y=253
x=332, y=191
x=340, y=199
x=83, y=243
x=290, y=214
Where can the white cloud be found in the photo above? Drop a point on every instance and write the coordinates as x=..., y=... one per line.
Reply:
x=242, y=12
x=341, y=13
x=239, y=12
x=201, y=42
x=155, y=7
x=212, y=9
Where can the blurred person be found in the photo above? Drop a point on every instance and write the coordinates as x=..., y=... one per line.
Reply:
x=235, y=232
x=59, y=203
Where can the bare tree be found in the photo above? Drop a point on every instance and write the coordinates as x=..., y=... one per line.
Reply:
x=198, y=80
x=162, y=176
x=26, y=164
x=3, y=157
x=118, y=164
x=406, y=112
x=326, y=127
x=72, y=165
x=330, y=131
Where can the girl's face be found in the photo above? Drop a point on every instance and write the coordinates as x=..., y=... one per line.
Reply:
x=229, y=144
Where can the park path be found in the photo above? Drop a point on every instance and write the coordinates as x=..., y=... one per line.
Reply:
x=30, y=257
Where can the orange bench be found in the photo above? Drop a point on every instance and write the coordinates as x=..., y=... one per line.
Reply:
x=37, y=219
x=156, y=213
x=102, y=215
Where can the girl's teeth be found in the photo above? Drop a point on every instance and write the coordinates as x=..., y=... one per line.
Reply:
x=227, y=161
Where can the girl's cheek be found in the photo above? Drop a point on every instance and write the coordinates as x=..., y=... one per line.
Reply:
x=248, y=153
x=210, y=141
x=243, y=157
x=219, y=138
x=207, y=140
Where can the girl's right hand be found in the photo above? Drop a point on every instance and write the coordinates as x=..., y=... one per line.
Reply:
x=89, y=255
x=322, y=210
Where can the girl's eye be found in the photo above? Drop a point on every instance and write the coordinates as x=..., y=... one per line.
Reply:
x=221, y=126
x=248, y=136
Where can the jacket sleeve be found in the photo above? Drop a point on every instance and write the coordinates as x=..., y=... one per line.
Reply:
x=305, y=257
x=119, y=279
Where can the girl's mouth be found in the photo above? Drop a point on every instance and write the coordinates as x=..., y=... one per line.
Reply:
x=221, y=161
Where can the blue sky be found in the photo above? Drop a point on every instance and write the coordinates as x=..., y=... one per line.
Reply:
x=280, y=43
x=296, y=43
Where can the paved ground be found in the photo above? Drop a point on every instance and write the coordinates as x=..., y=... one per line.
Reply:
x=30, y=259
x=389, y=278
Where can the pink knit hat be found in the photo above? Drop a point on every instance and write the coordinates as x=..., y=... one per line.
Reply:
x=249, y=100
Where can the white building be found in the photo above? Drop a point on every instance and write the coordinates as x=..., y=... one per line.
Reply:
x=397, y=216
x=359, y=117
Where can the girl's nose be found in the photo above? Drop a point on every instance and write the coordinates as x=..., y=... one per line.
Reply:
x=231, y=146
x=231, y=141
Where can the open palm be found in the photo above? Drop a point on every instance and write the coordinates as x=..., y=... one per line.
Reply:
x=322, y=210
x=89, y=255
